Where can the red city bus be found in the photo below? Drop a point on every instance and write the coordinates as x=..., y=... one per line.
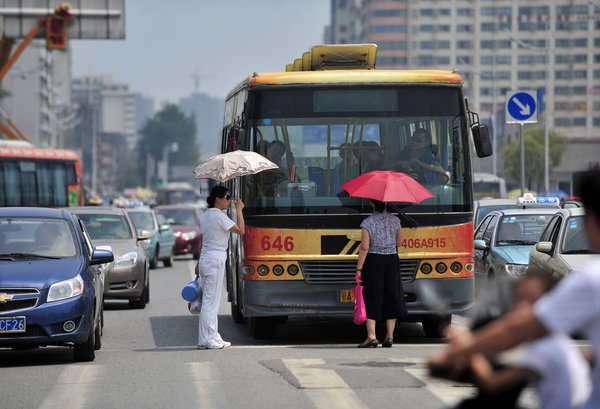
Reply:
x=39, y=177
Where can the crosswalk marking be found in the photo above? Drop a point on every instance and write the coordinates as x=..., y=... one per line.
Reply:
x=202, y=375
x=324, y=387
x=72, y=387
x=448, y=393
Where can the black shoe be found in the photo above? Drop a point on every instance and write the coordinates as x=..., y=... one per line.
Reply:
x=387, y=343
x=370, y=344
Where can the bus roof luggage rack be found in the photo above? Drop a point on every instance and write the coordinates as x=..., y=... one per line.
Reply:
x=336, y=56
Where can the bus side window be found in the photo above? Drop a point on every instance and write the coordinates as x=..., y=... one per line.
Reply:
x=71, y=174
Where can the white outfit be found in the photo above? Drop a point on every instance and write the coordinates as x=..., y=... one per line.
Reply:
x=574, y=307
x=564, y=375
x=214, y=226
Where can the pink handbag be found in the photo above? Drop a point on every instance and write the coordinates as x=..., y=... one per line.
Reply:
x=360, y=313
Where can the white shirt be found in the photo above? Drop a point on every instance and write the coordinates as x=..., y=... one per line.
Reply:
x=214, y=226
x=564, y=374
x=574, y=307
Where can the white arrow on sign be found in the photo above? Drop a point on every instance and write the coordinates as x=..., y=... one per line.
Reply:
x=525, y=109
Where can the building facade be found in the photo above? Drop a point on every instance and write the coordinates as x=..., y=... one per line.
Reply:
x=500, y=46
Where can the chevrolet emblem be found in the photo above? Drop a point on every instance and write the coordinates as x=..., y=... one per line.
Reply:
x=5, y=297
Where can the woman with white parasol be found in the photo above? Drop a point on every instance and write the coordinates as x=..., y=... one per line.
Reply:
x=215, y=226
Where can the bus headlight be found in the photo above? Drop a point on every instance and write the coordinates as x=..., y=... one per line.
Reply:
x=441, y=268
x=278, y=270
x=426, y=268
x=247, y=270
x=456, y=267
x=293, y=269
x=262, y=270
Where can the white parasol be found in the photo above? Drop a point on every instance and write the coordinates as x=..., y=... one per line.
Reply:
x=231, y=164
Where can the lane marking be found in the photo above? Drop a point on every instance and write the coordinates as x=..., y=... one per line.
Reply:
x=72, y=386
x=324, y=387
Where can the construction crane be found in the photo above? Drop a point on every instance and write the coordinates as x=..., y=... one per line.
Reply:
x=55, y=25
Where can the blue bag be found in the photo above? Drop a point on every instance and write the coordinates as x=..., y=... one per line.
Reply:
x=190, y=291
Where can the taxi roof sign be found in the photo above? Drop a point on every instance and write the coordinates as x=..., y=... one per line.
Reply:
x=529, y=198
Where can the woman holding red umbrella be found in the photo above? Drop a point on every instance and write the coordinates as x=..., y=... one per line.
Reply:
x=377, y=270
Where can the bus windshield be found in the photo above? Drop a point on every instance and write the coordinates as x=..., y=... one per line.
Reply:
x=324, y=137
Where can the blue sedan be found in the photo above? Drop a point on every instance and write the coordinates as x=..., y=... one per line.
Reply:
x=51, y=283
x=162, y=245
x=503, y=241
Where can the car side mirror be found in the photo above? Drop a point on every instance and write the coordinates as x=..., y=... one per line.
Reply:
x=164, y=227
x=480, y=245
x=482, y=140
x=100, y=256
x=145, y=235
x=544, y=247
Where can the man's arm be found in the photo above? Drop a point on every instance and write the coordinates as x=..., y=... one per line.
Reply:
x=513, y=329
x=496, y=381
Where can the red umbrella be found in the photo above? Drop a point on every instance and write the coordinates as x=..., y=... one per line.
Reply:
x=387, y=186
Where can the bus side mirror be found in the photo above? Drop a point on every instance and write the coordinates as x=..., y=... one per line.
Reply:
x=482, y=140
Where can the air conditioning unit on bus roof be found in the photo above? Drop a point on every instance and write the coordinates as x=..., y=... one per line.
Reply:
x=335, y=57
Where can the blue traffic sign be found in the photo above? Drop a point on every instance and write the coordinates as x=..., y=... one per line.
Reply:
x=521, y=106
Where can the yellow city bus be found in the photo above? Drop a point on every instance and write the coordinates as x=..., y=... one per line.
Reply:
x=329, y=114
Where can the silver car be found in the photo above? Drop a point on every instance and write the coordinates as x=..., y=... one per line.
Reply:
x=127, y=277
x=563, y=245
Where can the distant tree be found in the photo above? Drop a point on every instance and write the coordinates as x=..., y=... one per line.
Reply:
x=167, y=126
x=534, y=155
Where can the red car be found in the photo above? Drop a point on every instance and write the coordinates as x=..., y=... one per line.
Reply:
x=185, y=222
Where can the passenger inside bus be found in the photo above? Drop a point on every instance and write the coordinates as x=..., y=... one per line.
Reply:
x=420, y=160
x=272, y=182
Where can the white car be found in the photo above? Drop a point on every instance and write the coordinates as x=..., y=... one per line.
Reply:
x=563, y=245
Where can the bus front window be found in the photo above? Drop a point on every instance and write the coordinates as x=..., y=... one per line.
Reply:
x=318, y=150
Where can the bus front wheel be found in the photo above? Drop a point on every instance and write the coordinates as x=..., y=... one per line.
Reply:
x=434, y=325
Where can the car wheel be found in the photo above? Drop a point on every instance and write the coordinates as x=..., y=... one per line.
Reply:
x=98, y=334
x=147, y=289
x=434, y=325
x=168, y=262
x=85, y=352
x=154, y=261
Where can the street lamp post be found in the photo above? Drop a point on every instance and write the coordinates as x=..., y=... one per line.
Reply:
x=546, y=50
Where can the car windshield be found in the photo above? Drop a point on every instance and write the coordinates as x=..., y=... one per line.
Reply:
x=521, y=229
x=142, y=220
x=575, y=240
x=37, y=236
x=179, y=216
x=106, y=226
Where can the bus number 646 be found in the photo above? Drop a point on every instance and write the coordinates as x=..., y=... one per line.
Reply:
x=286, y=244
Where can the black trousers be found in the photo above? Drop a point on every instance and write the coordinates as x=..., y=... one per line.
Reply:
x=382, y=287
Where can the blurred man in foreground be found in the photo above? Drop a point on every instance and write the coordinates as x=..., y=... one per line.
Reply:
x=572, y=307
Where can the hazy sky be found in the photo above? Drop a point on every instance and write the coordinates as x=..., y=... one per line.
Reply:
x=223, y=40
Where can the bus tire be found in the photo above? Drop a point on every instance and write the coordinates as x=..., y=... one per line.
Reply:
x=262, y=327
x=236, y=314
x=435, y=325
